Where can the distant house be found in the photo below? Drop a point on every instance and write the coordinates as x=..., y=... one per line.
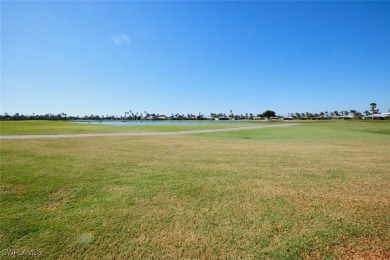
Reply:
x=346, y=117
x=322, y=118
x=151, y=118
x=222, y=118
x=381, y=116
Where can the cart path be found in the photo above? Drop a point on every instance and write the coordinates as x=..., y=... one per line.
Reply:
x=141, y=133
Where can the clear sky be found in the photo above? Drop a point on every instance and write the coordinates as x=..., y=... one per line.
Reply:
x=107, y=57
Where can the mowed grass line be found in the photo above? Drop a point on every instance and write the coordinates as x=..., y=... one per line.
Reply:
x=266, y=193
x=313, y=131
x=61, y=127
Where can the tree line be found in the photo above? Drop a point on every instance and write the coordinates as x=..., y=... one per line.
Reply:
x=131, y=115
x=334, y=114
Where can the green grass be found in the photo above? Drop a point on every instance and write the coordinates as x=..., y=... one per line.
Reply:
x=314, y=131
x=61, y=127
x=317, y=190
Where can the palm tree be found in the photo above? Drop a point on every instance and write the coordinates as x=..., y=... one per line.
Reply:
x=358, y=115
x=373, y=106
x=354, y=114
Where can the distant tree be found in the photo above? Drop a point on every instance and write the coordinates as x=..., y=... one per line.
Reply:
x=200, y=116
x=354, y=113
x=373, y=106
x=358, y=115
x=269, y=113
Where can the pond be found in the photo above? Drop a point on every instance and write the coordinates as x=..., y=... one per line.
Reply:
x=162, y=122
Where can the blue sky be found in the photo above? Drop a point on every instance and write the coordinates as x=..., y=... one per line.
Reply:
x=106, y=57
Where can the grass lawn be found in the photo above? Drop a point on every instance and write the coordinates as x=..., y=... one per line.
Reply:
x=62, y=127
x=314, y=190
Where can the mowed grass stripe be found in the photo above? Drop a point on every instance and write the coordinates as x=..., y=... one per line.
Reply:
x=206, y=196
x=146, y=133
x=42, y=127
